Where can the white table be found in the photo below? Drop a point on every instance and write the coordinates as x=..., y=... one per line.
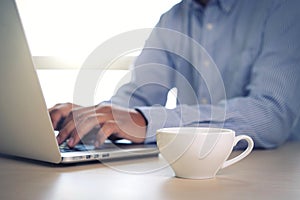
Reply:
x=264, y=174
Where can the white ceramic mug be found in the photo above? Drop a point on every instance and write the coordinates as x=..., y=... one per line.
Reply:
x=199, y=153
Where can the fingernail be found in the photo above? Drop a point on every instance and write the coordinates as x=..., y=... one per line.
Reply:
x=70, y=142
x=58, y=139
x=97, y=144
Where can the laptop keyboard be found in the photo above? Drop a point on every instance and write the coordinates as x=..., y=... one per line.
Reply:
x=79, y=147
x=84, y=147
x=89, y=146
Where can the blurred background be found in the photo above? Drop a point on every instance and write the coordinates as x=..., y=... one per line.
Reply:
x=62, y=33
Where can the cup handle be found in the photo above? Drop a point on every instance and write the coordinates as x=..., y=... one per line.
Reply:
x=243, y=154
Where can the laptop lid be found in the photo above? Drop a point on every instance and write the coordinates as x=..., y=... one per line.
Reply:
x=26, y=128
x=24, y=121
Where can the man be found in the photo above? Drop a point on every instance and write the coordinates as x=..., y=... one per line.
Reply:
x=254, y=46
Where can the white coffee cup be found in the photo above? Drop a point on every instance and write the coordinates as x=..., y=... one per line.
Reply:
x=199, y=153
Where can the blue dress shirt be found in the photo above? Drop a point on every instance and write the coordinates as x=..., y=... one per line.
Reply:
x=246, y=77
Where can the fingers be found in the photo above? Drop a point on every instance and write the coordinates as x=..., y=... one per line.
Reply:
x=84, y=126
x=109, y=121
x=106, y=130
x=56, y=119
x=67, y=124
x=80, y=123
x=58, y=113
x=65, y=132
x=76, y=113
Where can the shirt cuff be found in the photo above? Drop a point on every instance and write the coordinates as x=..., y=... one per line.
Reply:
x=184, y=115
x=157, y=117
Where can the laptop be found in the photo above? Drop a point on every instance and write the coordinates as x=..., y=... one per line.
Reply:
x=25, y=126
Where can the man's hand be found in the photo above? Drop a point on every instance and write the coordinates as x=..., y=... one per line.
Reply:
x=74, y=122
x=59, y=113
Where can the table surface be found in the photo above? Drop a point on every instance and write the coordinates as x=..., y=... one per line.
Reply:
x=264, y=174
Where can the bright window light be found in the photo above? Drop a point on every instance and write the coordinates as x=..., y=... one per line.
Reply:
x=73, y=28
